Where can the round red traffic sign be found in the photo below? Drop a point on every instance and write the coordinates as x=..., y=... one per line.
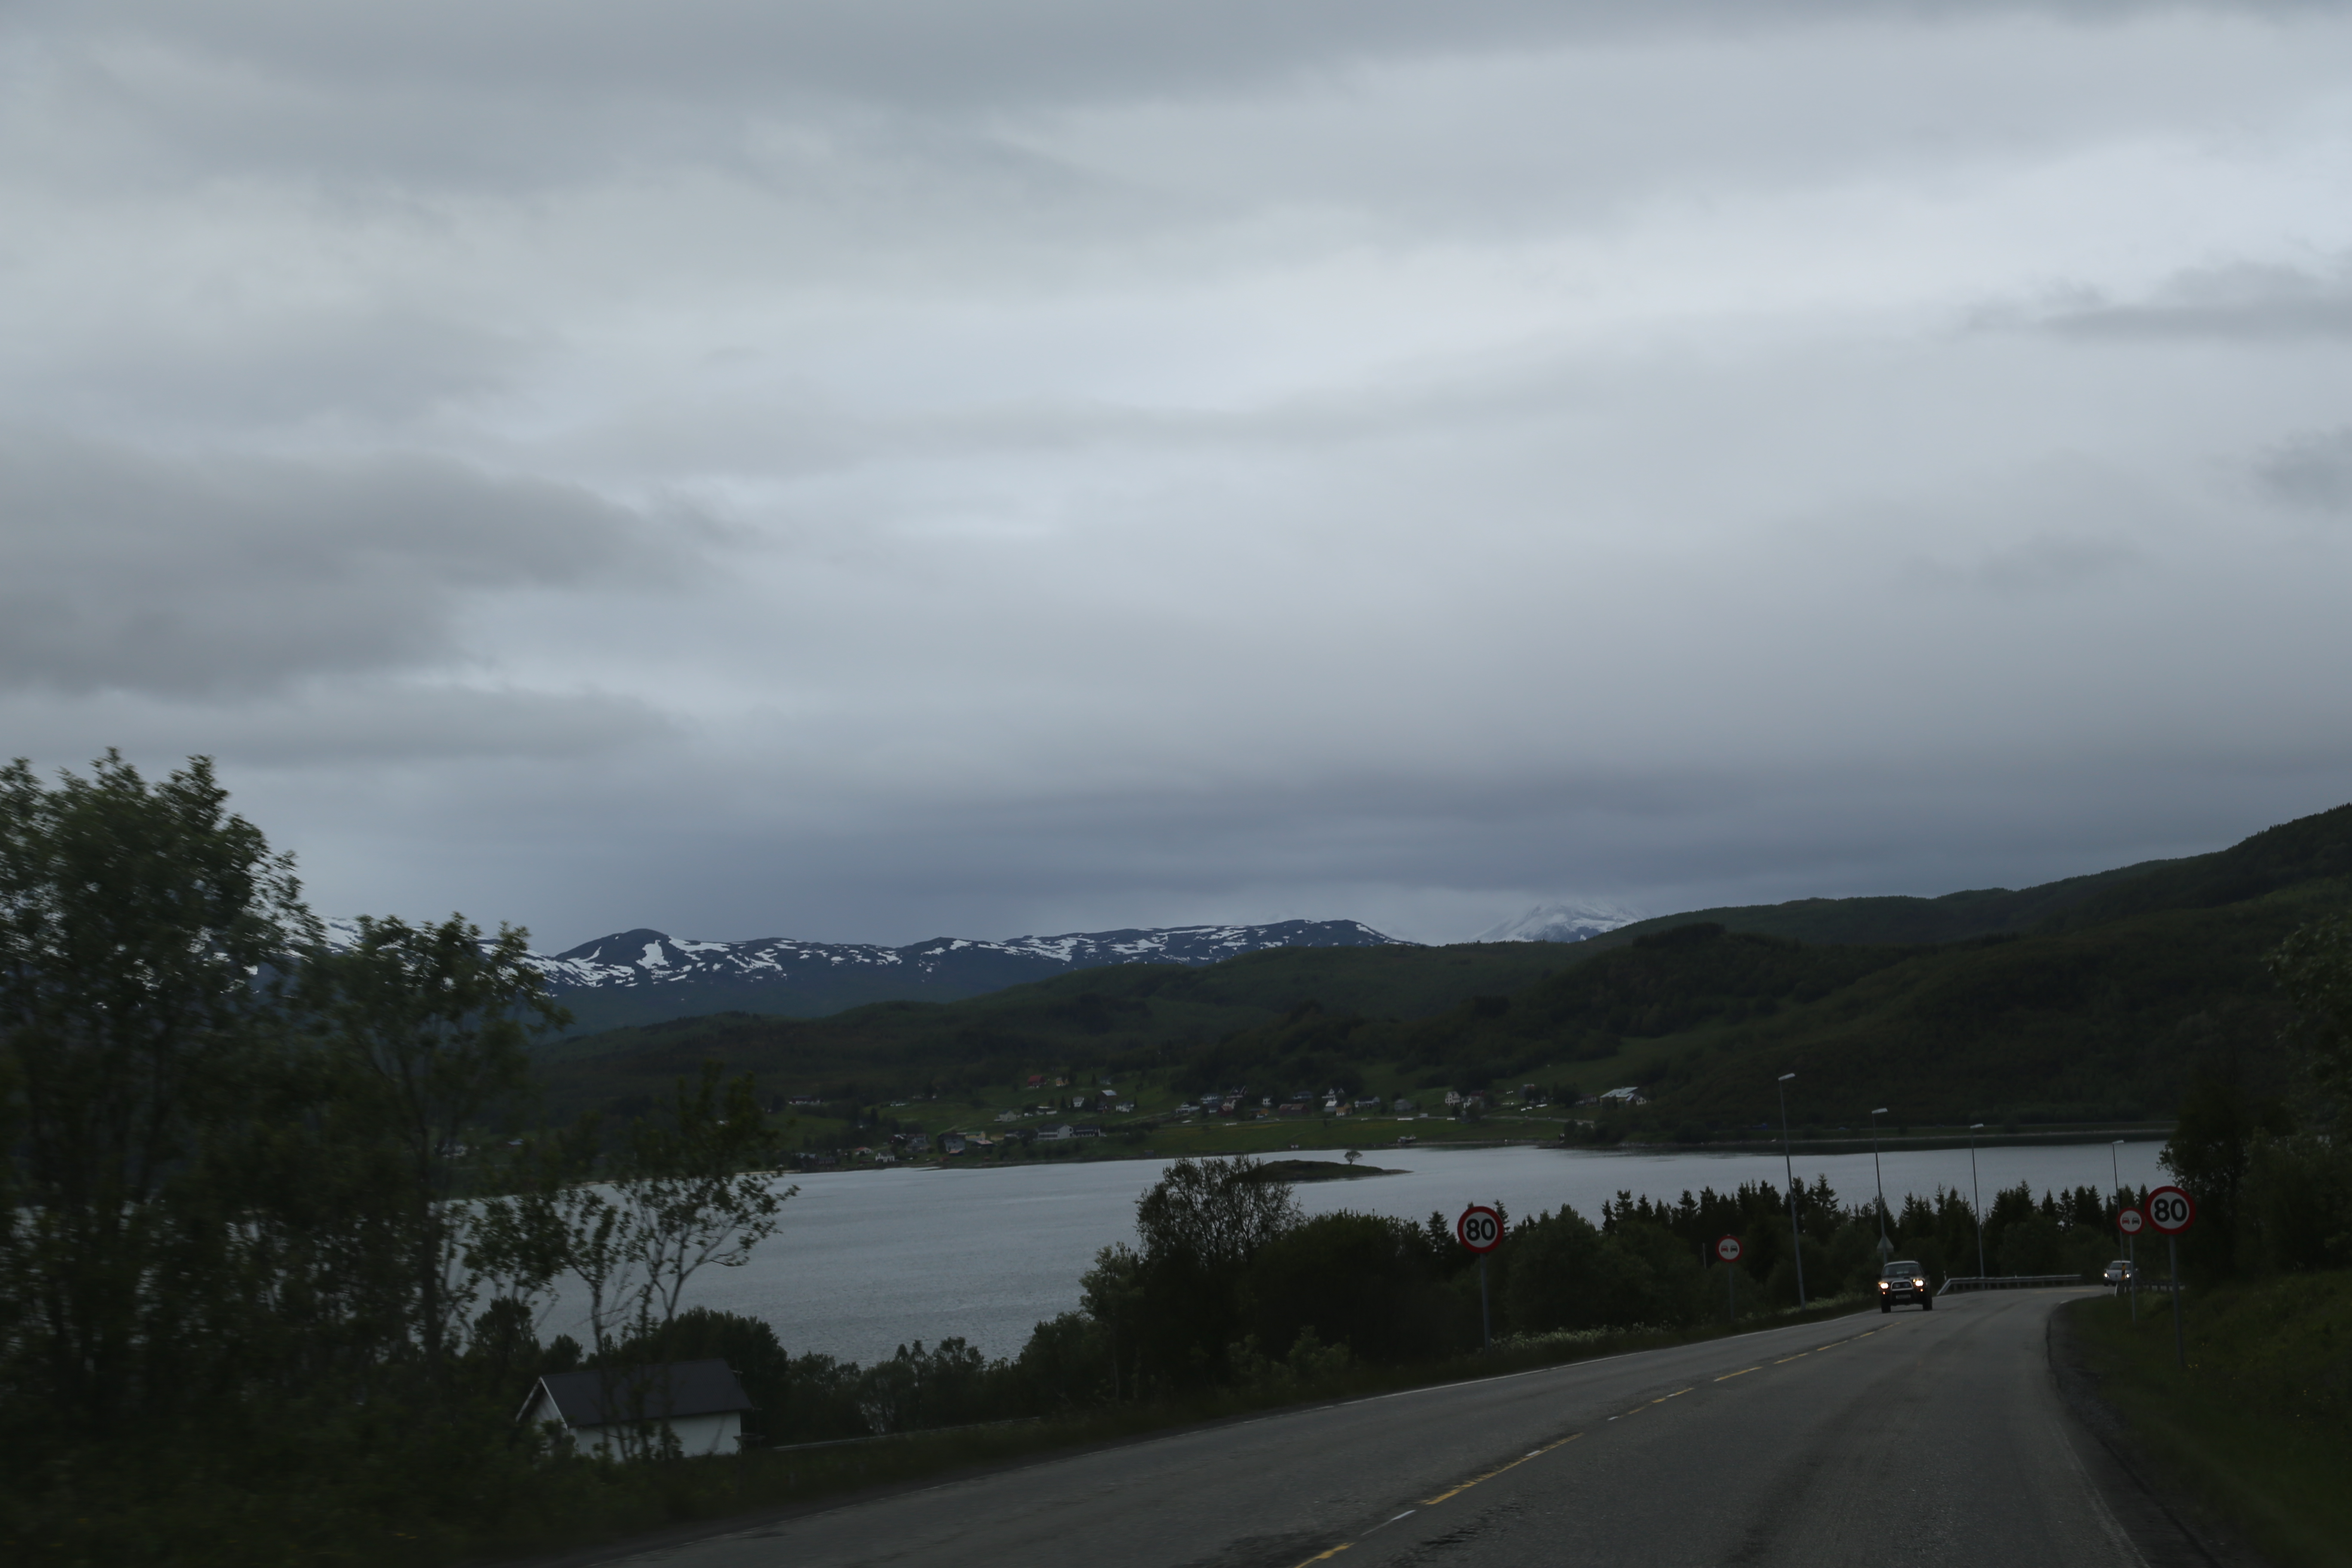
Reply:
x=1727, y=1248
x=2170, y=1210
x=1480, y=1228
x=2130, y=1221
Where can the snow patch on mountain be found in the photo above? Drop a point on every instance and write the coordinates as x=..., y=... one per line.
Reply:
x=1577, y=919
x=648, y=958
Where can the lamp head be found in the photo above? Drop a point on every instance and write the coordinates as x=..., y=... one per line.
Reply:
x=1786, y=1077
x=1973, y=1126
x=1880, y=1111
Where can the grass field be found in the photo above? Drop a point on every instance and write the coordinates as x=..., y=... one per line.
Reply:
x=2259, y=1421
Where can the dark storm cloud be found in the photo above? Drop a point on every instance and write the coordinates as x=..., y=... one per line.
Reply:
x=124, y=570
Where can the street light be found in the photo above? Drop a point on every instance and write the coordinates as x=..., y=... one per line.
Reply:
x=1886, y=1247
x=1796, y=1238
x=1977, y=1192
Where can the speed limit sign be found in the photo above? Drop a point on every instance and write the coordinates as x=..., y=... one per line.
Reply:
x=1727, y=1248
x=2170, y=1210
x=1480, y=1228
x=2130, y=1221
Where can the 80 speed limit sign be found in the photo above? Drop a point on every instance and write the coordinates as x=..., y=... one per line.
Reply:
x=1480, y=1228
x=2170, y=1210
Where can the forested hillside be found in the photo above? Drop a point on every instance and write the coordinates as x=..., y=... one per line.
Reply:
x=2093, y=998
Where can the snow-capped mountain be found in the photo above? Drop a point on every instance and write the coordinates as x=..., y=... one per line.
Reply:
x=643, y=976
x=1573, y=921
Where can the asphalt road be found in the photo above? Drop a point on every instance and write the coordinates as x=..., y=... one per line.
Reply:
x=1915, y=1438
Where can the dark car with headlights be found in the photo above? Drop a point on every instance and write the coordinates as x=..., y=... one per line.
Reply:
x=1904, y=1281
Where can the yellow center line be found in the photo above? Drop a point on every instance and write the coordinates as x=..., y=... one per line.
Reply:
x=1786, y=1359
x=1743, y=1372
x=1490, y=1474
x=1322, y=1556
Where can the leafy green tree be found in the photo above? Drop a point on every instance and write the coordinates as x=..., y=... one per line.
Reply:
x=697, y=1190
x=436, y=1023
x=2313, y=967
x=134, y=918
x=1201, y=1224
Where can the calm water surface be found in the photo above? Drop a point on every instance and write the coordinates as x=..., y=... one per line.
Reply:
x=869, y=1260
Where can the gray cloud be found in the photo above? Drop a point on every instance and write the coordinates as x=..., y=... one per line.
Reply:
x=190, y=575
x=1178, y=463
x=2247, y=300
x=2311, y=470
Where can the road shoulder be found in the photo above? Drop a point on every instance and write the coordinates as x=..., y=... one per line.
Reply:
x=2156, y=1509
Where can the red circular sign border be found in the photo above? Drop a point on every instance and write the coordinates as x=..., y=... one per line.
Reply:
x=1737, y=1251
x=1479, y=1208
x=2185, y=1224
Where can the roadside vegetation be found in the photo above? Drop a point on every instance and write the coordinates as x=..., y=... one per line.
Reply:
x=2258, y=1423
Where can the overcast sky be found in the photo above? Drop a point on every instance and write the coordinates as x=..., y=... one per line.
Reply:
x=886, y=468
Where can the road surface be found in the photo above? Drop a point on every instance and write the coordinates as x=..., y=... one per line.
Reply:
x=1912, y=1439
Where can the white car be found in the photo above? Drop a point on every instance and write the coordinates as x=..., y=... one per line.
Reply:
x=2118, y=1273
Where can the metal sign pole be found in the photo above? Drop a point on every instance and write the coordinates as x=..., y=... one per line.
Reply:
x=2172, y=1251
x=2131, y=1259
x=1485, y=1321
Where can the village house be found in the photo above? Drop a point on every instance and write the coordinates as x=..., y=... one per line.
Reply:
x=625, y=1412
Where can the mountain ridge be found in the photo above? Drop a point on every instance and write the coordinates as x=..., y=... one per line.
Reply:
x=642, y=975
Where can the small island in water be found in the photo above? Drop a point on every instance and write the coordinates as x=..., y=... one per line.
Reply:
x=1318, y=1171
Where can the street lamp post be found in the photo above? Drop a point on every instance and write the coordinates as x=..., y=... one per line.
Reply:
x=1796, y=1236
x=1976, y=1192
x=1886, y=1247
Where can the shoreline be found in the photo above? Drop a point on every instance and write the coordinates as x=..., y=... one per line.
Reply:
x=2085, y=1137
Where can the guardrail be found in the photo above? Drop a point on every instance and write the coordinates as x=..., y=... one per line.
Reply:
x=2005, y=1282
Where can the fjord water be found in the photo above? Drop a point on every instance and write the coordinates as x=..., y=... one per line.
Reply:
x=868, y=1260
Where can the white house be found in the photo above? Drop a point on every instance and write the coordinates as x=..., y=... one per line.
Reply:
x=699, y=1401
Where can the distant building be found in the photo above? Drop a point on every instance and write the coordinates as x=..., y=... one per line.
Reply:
x=1629, y=1095
x=950, y=1143
x=1405, y=1107
x=623, y=1412
x=1055, y=1134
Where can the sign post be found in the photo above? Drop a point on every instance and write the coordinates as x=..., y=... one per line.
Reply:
x=1480, y=1229
x=2131, y=1222
x=1727, y=1248
x=2172, y=1210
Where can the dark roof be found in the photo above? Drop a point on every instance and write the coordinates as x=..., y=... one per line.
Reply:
x=677, y=1388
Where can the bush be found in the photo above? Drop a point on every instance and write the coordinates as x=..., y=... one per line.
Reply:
x=1363, y=1282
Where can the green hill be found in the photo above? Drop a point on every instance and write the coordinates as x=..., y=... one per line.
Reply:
x=2093, y=998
